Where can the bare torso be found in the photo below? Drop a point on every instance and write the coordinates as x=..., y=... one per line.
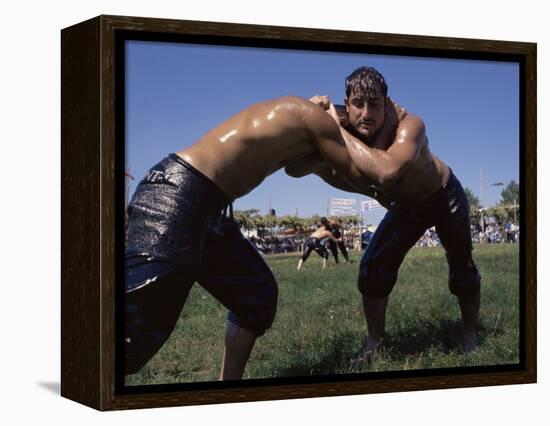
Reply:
x=425, y=175
x=242, y=151
x=321, y=233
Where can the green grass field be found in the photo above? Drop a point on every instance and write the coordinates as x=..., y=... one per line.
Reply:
x=320, y=327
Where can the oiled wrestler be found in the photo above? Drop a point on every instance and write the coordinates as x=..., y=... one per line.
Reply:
x=316, y=242
x=337, y=230
x=419, y=191
x=180, y=231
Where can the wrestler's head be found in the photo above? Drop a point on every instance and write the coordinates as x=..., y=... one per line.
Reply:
x=366, y=101
x=335, y=221
x=324, y=222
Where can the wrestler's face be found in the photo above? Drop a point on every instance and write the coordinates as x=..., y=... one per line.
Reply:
x=366, y=115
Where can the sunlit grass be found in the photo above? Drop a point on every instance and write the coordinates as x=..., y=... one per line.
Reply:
x=320, y=327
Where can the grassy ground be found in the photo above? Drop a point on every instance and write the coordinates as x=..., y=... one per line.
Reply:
x=320, y=327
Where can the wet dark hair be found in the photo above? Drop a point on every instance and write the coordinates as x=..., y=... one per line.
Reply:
x=325, y=222
x=366, y=82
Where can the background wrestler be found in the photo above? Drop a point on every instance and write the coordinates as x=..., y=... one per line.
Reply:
x=177, y=236
x=419, y=190
x=315, y=242
x=337, y=230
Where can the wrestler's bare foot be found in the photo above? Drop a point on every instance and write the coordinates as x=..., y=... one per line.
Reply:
x=470, y=341
x=370, y=350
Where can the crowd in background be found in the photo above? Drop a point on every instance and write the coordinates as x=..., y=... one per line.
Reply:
x=494, y=233
x=272, y=245
x=290, y=244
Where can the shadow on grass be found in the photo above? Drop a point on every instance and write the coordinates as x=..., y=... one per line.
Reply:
x=337, y=351
x=344, y=350
x=446, y=334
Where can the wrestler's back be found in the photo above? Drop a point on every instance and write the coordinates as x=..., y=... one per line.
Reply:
x=238, y=154
x=321, y=233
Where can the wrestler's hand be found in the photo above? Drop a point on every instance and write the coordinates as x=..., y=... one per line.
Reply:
x=337, y=112
x=331, y=110
x=342, y=114
x=322, y=101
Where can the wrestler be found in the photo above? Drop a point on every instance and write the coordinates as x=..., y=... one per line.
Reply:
x=316, y=242
x=419, y=191
x=337, y=230
x=178, y=235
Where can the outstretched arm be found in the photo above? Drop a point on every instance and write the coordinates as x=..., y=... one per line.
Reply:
x=330, y=236
x=339, y=170
x=393, y=149
x=315, y=164
x=325, y=135
x=328, y=174
x=305, y=165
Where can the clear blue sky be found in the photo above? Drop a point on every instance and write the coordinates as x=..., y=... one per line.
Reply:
x=176, y=92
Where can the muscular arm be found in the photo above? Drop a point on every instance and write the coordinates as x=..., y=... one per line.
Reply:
x=329, y=141
x=330, y=236
x=331, y=161
x=315, y=164
x=327, y=174
x=305, y=165
x=387, y=166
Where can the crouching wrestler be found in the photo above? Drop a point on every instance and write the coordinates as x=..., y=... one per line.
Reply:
x=181, y=231
x=316, y=241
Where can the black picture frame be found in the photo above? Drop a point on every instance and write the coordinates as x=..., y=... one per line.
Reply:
x=93, y=211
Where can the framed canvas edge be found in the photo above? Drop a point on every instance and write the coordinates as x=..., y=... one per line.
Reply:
x=108, y=398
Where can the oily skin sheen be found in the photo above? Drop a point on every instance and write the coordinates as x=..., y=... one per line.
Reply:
x=390, y=148
x=242, y=151
x=402, y=166
x=403, y=169
x=238, y=154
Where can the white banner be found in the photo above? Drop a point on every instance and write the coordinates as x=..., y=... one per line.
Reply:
x=370, y=205
x=343, y=207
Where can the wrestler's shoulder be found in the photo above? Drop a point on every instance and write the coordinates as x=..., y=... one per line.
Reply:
x=411, y=119
x=297, y=110
x=288, y=103
x=292, y=101
x=412, y=123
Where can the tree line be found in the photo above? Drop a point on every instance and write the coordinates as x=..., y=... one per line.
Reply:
x=507, y=209
x=252, y=219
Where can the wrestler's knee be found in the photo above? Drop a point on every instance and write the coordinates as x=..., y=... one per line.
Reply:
x=141, y=344
x=374, y=280
x=269, y=307
x=257, y=313
x=464, y=278
x=465, y=286
x=146, y=328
